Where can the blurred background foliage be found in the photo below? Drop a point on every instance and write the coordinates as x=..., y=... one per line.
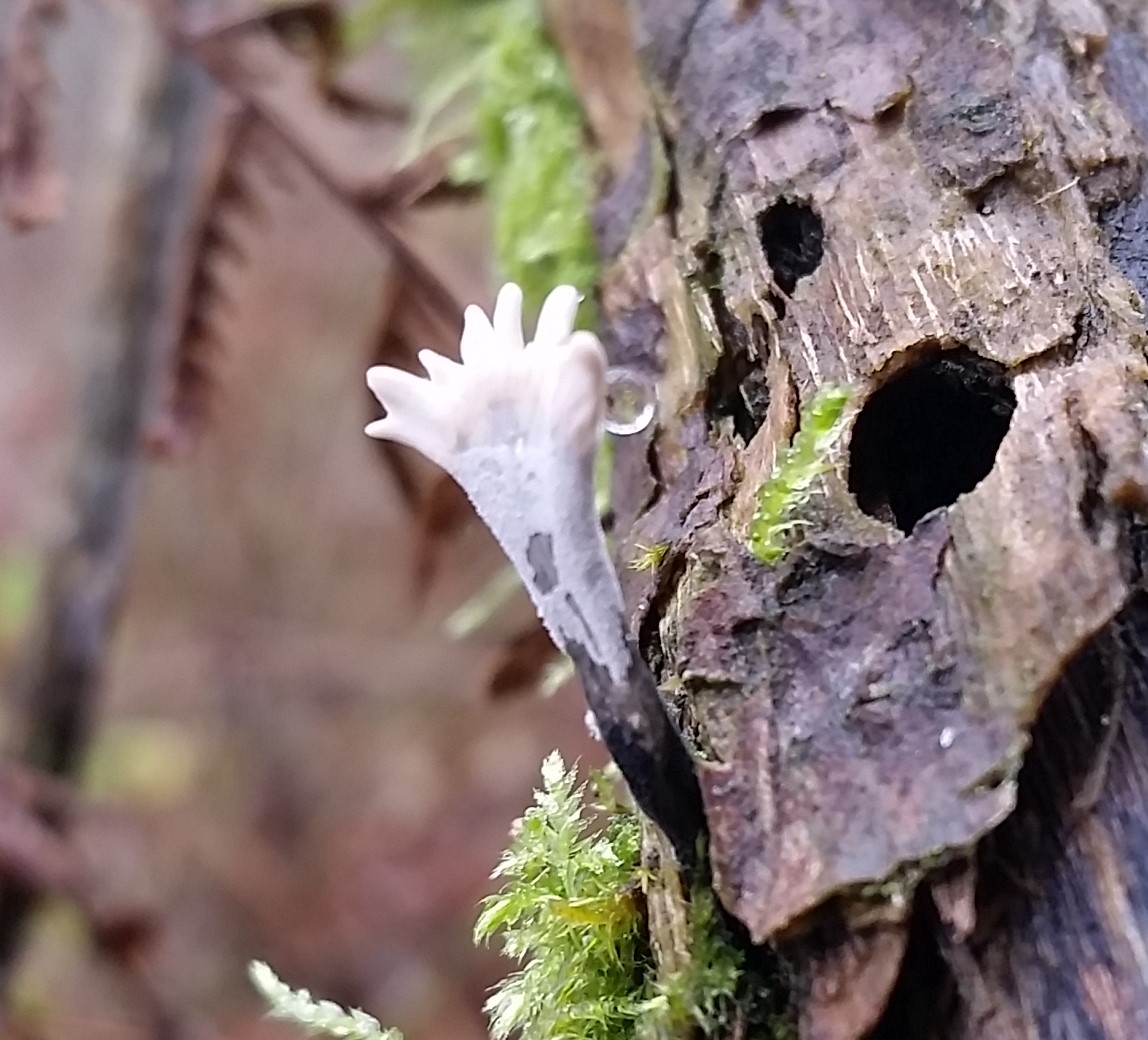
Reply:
x=487, y=71
x=283, y=753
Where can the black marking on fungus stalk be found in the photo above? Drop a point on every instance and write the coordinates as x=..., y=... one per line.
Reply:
x=540, y=556
x=572, y=604
x=638, y=731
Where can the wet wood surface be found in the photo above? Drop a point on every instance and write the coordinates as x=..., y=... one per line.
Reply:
x=924, y=765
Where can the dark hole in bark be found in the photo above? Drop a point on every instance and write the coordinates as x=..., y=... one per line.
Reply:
x=925, y=993
x=793, y=238
x=930, y=434
x=737, y=387
x=737, y=390
x=733, y=332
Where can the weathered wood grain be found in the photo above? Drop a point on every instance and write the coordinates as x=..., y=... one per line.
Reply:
x=945, y=198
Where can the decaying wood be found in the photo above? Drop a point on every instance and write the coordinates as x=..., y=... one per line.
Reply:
x=1059, y=919
x=938, y=206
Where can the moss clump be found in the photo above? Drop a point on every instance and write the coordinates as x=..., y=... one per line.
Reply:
x=571, y=912
x=701, y=994
x=568, y=911
x=793, y=482
x=532, y=159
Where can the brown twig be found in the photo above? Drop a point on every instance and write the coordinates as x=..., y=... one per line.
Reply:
x=64, y=659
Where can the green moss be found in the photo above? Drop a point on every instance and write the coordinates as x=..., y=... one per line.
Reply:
x=525, y=121
x=704, y=992
x=793, y=482
x=364, y=23
x=539, y=176
x=570, y=911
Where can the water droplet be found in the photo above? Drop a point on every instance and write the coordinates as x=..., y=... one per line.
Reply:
x=631, y=400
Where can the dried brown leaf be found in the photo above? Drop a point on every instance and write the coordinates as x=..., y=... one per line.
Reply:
x=421, y=179
x=215, y=205
x=440, y=513
x=597, y=42
x=353, y=155
x=31, y=183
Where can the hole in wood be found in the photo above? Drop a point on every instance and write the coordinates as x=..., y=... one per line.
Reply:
x=793, y=238
x=737, y=388
x=928, y=435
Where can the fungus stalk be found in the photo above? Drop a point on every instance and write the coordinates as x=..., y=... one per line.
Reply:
x=518, y=425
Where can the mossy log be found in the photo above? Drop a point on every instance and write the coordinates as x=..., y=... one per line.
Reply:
x=925, y=731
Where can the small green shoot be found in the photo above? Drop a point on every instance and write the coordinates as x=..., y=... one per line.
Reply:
x=556, y=675
x=649, y=557
x=315, y=1017
x=603, y=476
x=793, y=482
x=20, y=577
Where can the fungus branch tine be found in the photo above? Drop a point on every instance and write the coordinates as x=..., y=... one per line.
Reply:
x=518, y=426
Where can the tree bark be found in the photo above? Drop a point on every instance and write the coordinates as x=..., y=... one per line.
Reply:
x=924, y=732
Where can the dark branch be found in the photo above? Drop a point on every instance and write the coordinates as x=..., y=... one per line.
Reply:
x=64, y=660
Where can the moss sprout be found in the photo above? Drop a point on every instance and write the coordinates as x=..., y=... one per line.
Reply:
x=315, y=1017
x=568, y=911
x=649, y=557
x=793, y=482
x=571, y=912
